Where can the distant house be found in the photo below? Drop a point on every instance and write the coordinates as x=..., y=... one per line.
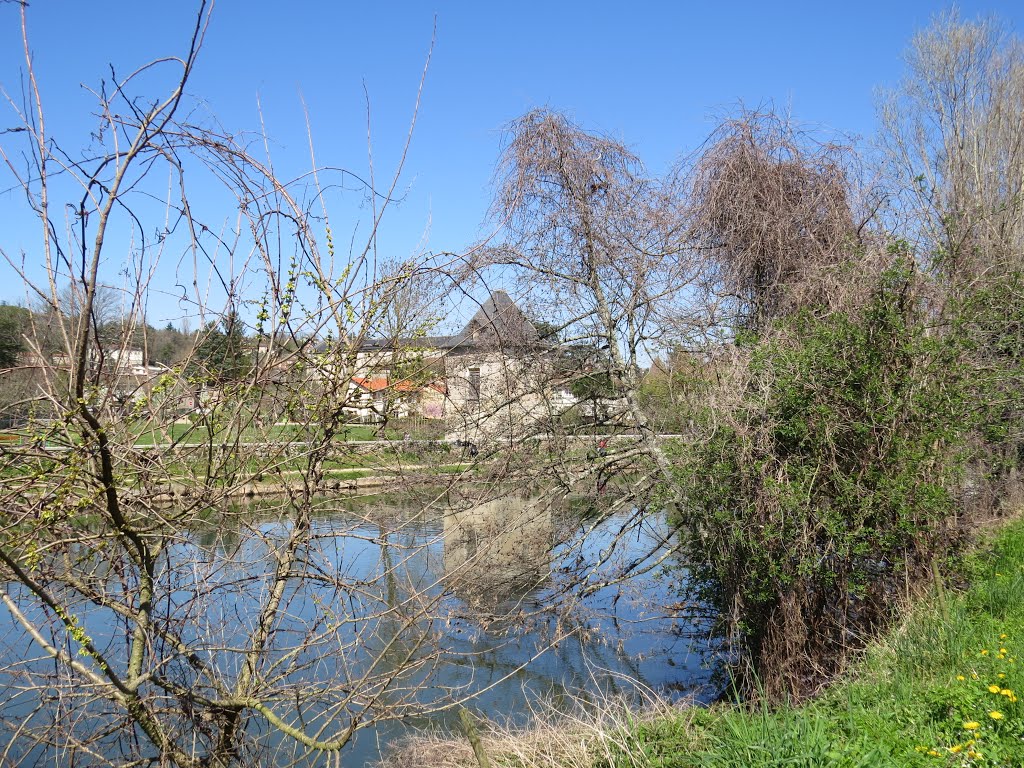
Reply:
x=376, y=396
x=493, y=377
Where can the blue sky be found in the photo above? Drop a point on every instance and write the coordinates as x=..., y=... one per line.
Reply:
x=652, y=74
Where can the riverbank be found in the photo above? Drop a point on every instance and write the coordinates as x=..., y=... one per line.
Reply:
x=343, y=480
x=940, y=689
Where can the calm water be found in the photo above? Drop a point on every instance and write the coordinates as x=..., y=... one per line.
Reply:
x=509, y=600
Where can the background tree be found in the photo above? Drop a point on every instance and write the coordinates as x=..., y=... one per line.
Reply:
x=953, y=141
x=676, y=386
x=954, y=147
x=16, y=384
x=14, y=321
x=168, y=346
x=222, y=354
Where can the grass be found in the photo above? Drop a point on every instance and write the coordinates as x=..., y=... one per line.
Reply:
x=940, y=690
x=580, y=737
x=190, y=434
x=273, y=461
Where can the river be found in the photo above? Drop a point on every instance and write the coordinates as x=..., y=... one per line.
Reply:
x=494, y=603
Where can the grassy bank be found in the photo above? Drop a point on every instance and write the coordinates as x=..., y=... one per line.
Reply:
x=941, y=689
x=187, y=433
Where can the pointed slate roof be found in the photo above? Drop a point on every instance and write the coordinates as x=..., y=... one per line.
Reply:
x=499, y=322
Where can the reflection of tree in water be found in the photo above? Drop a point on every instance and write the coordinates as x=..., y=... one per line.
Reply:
x=519, y=591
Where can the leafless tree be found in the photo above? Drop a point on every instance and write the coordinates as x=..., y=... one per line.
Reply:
x=160, y=618
x=772, y=210
x=141, y=643
x=953, y=137
x=600, y=247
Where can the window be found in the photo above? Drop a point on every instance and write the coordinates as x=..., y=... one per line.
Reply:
x=474, y=387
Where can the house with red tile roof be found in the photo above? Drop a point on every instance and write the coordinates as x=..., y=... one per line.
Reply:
x=491, y=377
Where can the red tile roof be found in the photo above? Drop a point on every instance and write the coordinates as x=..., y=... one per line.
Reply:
x=377, y=383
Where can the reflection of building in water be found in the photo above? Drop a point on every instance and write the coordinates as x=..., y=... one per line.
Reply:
x=497, y=550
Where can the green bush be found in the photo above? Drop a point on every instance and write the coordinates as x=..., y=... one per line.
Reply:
x=831, y=481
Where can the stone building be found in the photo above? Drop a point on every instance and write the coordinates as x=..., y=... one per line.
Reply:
x=494, y=376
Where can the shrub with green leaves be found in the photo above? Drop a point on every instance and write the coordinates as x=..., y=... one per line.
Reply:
x=831, y=477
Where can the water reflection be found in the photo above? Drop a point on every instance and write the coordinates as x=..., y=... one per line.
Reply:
x=428, y=598
x=498, y=551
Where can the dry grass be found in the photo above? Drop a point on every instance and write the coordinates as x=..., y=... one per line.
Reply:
x=590, y=733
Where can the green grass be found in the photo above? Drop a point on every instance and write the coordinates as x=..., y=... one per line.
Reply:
x=939, y=690
x=189, y=434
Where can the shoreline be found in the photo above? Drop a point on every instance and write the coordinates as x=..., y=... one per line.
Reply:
x=939, y=687
x=352, y=484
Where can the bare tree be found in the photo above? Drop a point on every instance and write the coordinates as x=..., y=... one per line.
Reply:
x=953, y=137
x=161, y=618
x=772, y=210
x=148, y=639
x=599, y=246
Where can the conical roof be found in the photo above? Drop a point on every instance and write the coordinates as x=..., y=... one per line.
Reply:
x=497, y=323
x=500, y=321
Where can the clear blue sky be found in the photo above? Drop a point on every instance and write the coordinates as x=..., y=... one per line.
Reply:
x=652, y=74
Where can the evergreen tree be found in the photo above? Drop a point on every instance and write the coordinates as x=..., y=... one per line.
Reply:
x=222, y=354
x=12, y=327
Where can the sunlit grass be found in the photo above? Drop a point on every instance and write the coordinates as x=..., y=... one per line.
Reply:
x=197, y=434
x=939, y=690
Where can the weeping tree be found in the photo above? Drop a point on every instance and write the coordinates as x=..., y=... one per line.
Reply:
x=600, y=249
x=772, y=210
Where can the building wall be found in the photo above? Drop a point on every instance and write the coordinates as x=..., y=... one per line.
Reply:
x=489, y=392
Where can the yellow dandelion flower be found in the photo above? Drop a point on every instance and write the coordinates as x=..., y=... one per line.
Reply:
x=972, y=725
x=1003, y=651
x=993, y=689
x=1003, y=636
x=956, y=749
x=975, y=755
x=1013, y=698
x=995, y=714
x=961, y=678
x=1006, y=692
x=934, y=753
x=984, y=652
x=1001, y=675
